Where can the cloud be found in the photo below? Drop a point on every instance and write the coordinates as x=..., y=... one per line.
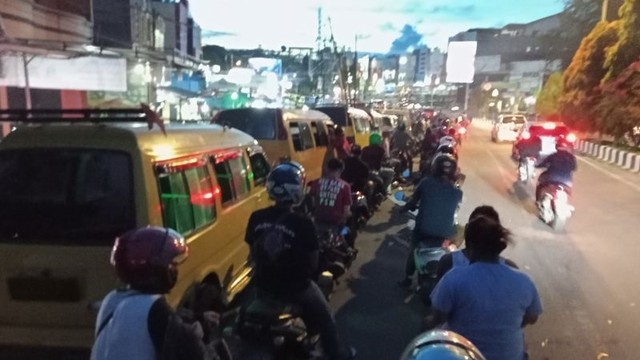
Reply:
x=216, y=33
x=409, y=37
x=387, y=26
x=465, y=11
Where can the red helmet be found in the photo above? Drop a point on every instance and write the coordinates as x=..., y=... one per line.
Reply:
x=146, y=258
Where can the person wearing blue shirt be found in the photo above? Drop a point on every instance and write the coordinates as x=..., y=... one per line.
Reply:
x=438, y=199
x=488, y=302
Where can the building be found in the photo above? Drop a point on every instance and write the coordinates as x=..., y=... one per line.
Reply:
x=48, y=61
x=512, y=59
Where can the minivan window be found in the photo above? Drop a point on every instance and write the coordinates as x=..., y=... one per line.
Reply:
x=301, y=136
x=320, y=134
x=65, y=196
x=188, y=197
x=233, y=177
x=259, y=123
x=260, y=167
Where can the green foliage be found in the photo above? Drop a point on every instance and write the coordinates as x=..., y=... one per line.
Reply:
x=618, y=111
x=585, y=73
x=548, y=99
x=627, y=49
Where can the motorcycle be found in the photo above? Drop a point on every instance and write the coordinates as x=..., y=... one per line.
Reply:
x=270, y=329
x=553, y=205
x=360, y=211
x=426, y=257
x=336, y=257
x=527, y=170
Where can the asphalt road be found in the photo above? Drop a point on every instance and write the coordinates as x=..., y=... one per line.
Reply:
x=587, y=275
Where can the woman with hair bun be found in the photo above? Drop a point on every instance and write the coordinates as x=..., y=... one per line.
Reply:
x=487, y=301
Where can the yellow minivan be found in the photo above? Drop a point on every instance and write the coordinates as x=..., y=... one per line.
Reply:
x=298, y=135
x=355, y=122
x=68, y=189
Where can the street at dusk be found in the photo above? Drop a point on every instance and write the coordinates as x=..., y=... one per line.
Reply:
x=319, y=180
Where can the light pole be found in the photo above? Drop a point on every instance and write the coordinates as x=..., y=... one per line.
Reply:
x=605, y=8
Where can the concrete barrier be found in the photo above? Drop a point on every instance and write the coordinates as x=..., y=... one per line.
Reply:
x=622, y=158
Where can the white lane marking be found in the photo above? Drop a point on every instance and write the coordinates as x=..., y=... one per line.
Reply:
x=608, y=173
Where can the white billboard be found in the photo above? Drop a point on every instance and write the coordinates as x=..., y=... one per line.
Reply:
x=460, y=61
x=90, y=73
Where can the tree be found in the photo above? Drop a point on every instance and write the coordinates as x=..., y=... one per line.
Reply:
x=582, y=78
x=619, y=109
x=548, y=100
x=627, y=49
x=576, y=21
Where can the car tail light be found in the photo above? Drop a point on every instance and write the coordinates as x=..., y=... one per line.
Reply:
x=571, y=137
x=525, y=135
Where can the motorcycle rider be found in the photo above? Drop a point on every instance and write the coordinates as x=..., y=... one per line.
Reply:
x=287, y=262
x=402, y=143
x=560, y=167
x=331, y=197
x=441, y=345
x=461, y=257
x=487, y=302
x=133, y=321
x=340, y=143
x=438, y=199
x=528, y=147
x=374, y=155
x=356, y=171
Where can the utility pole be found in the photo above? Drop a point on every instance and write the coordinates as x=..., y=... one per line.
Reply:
x=27, y=86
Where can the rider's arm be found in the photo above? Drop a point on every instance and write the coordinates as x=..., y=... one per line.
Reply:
x=185, y=337
x=529, y=319
x=544, y=163
x=534, y=309
x=311, y=246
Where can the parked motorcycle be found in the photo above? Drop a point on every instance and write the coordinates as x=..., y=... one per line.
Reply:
x=553, y=205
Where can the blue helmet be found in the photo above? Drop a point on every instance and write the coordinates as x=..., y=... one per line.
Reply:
x=285, y=183
x=441, y=345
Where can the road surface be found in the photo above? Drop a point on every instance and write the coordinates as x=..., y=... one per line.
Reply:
x=587, y=276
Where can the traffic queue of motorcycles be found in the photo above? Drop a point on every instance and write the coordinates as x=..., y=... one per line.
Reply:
x=270, y=329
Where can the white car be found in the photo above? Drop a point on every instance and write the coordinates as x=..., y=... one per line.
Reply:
x=507, y=127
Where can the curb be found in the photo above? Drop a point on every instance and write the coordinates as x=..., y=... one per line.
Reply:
x=624, y=159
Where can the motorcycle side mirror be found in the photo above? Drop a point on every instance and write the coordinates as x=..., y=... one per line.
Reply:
x=399, y=196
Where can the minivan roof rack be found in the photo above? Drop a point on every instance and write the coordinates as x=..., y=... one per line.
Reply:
x=144, y=114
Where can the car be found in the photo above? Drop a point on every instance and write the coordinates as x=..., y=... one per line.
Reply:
x=507, y=126
x=548, y=131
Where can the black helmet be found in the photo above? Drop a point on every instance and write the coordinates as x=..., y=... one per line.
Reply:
x=444, y=165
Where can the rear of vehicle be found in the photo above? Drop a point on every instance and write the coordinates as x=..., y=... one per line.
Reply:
x=65, y=196
x=507, y=127
x=549, y=133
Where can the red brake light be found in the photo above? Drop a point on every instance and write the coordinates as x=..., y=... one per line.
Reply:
x=525, y=135
x=571, y=137
x=549, y=125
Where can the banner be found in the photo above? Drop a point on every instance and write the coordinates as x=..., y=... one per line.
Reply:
x=460, y=61
x=90, y=73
